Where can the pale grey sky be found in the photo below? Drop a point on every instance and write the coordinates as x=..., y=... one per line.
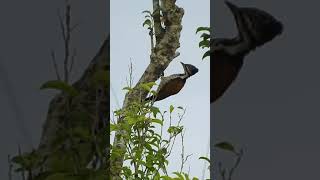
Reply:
x=129, y=40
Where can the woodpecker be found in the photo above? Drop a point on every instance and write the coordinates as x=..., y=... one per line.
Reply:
x=172, y=84
x=255, y=28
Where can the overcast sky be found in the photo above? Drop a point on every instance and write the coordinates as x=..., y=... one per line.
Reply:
x=129, y=40
x=272, y=110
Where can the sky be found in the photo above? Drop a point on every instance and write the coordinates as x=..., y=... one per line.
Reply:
x=30, y=29
x=130, y=42
x=272, y=109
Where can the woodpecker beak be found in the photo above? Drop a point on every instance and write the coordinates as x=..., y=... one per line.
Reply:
x=185, y=68
x=234, y=9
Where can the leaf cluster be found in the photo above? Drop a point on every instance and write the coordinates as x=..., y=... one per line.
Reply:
x=149, y=135
x=205, y=41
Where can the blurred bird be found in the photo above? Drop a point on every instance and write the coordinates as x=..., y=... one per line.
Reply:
x=172, y=84
x=255, y=28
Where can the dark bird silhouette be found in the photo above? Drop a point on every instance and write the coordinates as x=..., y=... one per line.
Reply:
x=255, y=28
x=172, y=84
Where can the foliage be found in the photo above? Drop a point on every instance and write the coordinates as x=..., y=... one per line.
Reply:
x=205, y=42
x=149, y=137
x=77, y=151
x=60, y=85
x=225, y=173
x=148, y=22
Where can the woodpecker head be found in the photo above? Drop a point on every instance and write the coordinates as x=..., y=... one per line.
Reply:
x=189, y=69
x=259, y=25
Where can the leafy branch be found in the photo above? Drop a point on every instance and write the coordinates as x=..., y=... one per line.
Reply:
x=224, y=172
x=205, y=42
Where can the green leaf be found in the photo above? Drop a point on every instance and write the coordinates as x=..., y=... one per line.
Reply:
x=205, y=36
x=153, y=92
x=145, y=87
x=205, y=158
x=154, y=111
x=171, y=108
x=180, y=107
x=225, y=146
x=175, y=130
x=18, y=159
x=186, y=176
x=60, y=85
x=206, y=54
x=146, y=11
x=148, y=146
x=150, y=84
x=204, y=43
x=158, y=121
x=203, y=29
x=127, y=88
x=166, y=178
x=147, y=22
x=179, y=175
x=113, y=127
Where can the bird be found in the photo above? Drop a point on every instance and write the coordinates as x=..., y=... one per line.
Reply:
x=172, y=84
x=255, y=28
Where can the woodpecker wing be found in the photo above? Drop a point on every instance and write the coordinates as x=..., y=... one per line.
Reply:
x=169, y=86
x=224, y=70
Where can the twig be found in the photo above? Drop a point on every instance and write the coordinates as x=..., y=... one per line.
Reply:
x=22, y=172
x=174, y=136
x=221, y=171
x=183, y=159
x=130, y=81
x=63, y=32
x=74, y=54
x=55, y=66
x=66, y=31
x=205, y=162
x=67, y=43
x=10, y=168
x=239, y=157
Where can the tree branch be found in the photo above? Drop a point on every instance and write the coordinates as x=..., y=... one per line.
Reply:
x=67, y=43
x=159, y=31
